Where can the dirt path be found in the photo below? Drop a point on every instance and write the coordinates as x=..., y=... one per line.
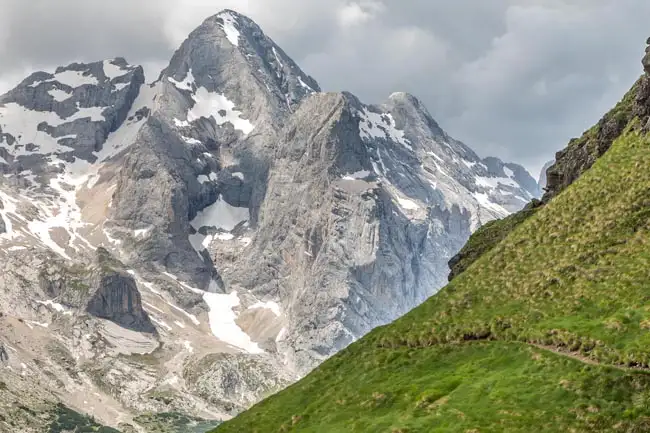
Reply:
x=579, y=357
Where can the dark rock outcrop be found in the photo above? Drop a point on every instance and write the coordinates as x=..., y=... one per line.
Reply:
x=114, y=295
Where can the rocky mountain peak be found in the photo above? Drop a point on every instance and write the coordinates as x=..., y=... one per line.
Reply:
x=232, y=206
x=230, y=56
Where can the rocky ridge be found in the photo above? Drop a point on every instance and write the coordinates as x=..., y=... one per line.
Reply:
x=212, y=236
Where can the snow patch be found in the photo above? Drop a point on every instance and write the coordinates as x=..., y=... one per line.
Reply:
x=75, y=79
x=277, y=58
x=229, y=27
x=238, y=175
x=222, y=321
x=120, y=86
x=381, y=125
x=56, y=307
x=113, y=71
x=59, y=95
x=357, y=175
x=407, y=204
x=209, y=104
x=484, y=200
x=495, y=182
x=469, y=164
x=187, y=82
x=202, y=178
x=220, y=215
x=22, y=124
x=142, y=233
x=269, y=305
x=305, y=85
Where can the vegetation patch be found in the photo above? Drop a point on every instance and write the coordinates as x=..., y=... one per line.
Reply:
x=68, y=421
x=174, y=422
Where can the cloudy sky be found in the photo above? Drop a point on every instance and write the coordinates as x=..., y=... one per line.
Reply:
x=511, y=78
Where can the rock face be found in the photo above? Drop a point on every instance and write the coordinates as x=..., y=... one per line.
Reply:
x=233, y=381
x=228, y=212
x=581, y=153
x=541, y=180
x=114, y=295
x=3, y=225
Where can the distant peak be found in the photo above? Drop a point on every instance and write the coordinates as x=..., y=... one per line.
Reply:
x=405, y=98
x=400, y=95
x=230, y=12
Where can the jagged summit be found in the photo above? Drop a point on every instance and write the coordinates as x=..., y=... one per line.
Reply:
x=229, y=53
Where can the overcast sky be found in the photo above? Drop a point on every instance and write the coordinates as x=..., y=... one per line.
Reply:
x=510, y=78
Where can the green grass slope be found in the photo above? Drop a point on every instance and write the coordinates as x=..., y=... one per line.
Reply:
x=548, y=331
x=487, y=237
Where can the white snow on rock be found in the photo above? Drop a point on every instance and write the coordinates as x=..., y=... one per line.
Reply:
x=187, y=82
x=508, y=172
x=238, y=175
x=357, y=175
x=113, y=71
x=9, y=208
x=208, y=104
x=181, y=123
x=126, y=134
x=407, y=204
x=61, y=213
x=269, y=305
x=222, y=321
x=484, y=200
x=59, y=95
x=220, y=215
x=142, y=233
x=469, y=164
x=305, y=85
x=22, y=124
x=381, y=125
x=120, y=86
x=56, y=307
x=495, y=182
x=75, y=79
x=190, y=140
x=277, y=58
x=202, y=178
x=229, y=26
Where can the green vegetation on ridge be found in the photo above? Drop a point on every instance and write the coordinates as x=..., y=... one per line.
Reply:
x=574, y=277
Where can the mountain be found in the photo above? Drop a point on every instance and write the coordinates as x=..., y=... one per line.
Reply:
x=544, y=329
x=173, y=252
x=541, y=180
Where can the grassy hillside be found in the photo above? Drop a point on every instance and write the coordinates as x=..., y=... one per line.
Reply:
x=548, y=331
x=487, y=237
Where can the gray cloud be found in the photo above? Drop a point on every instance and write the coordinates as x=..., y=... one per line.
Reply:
x=511, y=78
